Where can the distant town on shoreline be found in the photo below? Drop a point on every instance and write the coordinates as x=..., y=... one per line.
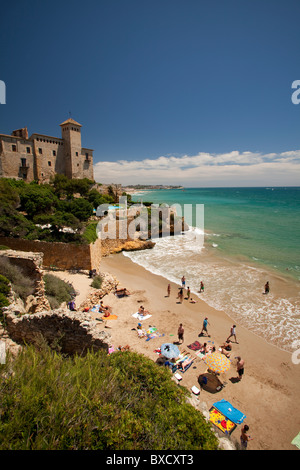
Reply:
x=152, y=186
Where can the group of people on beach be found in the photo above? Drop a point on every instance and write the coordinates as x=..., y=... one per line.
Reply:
x=180, y=295
x=225, y=348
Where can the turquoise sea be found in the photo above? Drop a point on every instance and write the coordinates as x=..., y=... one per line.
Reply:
x=251, y=235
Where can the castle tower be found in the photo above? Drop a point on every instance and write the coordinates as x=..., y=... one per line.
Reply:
x=71, y=135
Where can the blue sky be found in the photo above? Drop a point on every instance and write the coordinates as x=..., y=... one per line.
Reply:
x=160, y=81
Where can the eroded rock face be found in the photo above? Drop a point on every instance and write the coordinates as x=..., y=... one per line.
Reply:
x=74, y=332
x=31, y=265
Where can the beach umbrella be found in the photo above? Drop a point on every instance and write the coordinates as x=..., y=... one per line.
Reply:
x=169, y=350
x=217, y=362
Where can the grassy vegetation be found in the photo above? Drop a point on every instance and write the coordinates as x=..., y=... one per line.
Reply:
x=57, y=291
x=4, y=292
x=22, y=285
x=121, y=401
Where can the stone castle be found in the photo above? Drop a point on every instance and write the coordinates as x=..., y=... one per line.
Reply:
x=40, y=157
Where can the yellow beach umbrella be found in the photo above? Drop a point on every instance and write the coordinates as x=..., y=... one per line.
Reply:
x=217, y=363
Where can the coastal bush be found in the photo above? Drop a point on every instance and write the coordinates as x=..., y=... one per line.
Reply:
x=57, y=291
x=22, y=284
x=90, y=234
x=48, y=211
x=4, y=292
x=4, y=285
x=96, y=199
x=37, y=199
x=121, y=401
x=97, y=282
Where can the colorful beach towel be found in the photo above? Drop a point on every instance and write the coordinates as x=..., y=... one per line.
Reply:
x=221, y=421
x=110, y=317
x=195, y=346
x=229, y=411
x=153, y=335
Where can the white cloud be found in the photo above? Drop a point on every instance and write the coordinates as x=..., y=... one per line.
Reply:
x=205, y=170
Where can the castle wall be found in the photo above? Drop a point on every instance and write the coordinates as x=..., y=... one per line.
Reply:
x=65, y=256
x=17, y=158
x=50, y=158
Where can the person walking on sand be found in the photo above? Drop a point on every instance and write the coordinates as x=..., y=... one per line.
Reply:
x=232, y=333
x=244, y=437
x=240, y=367
x=180, y=295
x=188, y=293
x=201, y=287
x=183, y=282
x=169, y=289
x=267, y=287
x=180, y=333
x=204, y=327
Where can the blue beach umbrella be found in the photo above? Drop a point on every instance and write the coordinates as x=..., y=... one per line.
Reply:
x=169, y=350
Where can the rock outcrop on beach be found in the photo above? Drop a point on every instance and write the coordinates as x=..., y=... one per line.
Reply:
x=134, y=245
x=108, y=285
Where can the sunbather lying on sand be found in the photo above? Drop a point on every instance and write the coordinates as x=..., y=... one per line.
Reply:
x=225, y=348
x=122, y=291
x=206, y=348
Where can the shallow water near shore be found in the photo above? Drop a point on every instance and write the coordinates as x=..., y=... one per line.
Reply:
x=233, y=277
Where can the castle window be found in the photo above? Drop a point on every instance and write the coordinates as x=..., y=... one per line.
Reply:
x=76, y=154
x=23, y=162
x=40, y=151
x=14, y=148
x=49, y=163
x=54, y=153
x=28, y=149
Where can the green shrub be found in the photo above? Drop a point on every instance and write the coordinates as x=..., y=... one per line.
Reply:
x=90, y=234
x=22, y=284
x=4, y=285
x=4, y=302
x=57, y=291
x=97, y=282
x=121, y=401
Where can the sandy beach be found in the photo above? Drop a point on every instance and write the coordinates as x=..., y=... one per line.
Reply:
x=268, y=393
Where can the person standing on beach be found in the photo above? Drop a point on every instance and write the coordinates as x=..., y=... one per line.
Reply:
x=232, y=333
x=240, y=367
x=201, y=287
x=180, y=294
x=183, y=282
x=204, y=327
x=180, y=333
x=244, y=437
x=267, y=287
x=169, y=289
x=188, y=293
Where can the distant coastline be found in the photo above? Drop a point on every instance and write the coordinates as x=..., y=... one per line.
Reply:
x=132, y=189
